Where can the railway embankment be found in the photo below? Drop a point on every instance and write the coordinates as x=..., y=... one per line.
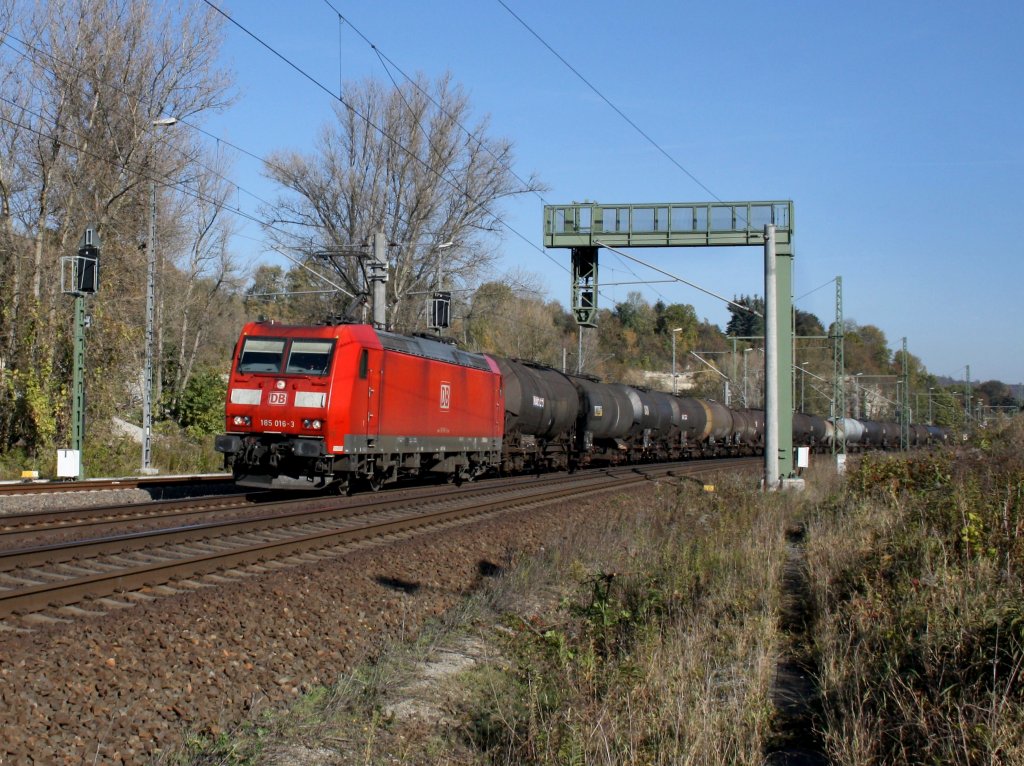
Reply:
x=873, y=619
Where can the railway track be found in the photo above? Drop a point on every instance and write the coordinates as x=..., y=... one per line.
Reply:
x=93, y=485
x=53, y=577
x=22, y=528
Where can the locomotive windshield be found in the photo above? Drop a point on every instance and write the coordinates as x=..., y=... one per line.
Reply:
x=261, y=355
x=310, y=357
x=305, y=357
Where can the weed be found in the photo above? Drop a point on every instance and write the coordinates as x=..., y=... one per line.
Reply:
x=921, y=641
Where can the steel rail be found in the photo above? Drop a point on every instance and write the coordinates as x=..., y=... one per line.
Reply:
x=35, y=523
x=117, y=516
x=41, y=595
x=88, y=485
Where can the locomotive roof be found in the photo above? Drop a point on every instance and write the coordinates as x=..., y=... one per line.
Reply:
x=405, y=344
x=431, y=349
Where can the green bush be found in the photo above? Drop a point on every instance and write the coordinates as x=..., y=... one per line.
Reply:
x=200, y=409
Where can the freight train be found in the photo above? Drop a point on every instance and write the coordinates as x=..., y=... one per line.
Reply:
x=347, y=405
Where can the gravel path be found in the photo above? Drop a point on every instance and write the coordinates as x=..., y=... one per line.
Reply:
x=123, y=686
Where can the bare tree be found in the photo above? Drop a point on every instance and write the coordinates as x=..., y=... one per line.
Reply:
x=87, y=79
x=206, y=272
x=398, y=161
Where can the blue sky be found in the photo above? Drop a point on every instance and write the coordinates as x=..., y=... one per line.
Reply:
x=896, y=128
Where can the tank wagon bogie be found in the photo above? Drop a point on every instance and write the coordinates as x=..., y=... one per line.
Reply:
x=310, y=407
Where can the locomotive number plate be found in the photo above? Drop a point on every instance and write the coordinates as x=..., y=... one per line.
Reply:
x=268, y=423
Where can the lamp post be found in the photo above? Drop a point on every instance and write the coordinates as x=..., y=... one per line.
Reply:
x=803, y=379
x=674, y=331
x=745, y=352
x=147, y=383
x=931, y=420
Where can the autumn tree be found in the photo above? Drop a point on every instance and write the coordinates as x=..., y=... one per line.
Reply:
x=397, y=160
x=513, y=320
x=866, y=349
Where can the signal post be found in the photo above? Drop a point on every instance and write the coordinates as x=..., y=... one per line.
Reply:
x=79, y=277
x=586, y=227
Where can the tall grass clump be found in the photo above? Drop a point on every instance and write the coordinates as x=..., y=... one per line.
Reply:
x=916, y=567
x=663, y=650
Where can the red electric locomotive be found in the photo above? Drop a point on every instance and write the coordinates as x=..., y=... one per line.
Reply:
x=310, y=407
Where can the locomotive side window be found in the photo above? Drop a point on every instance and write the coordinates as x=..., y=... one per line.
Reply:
x=261, y=355
x=310, y=357
x=364, y=364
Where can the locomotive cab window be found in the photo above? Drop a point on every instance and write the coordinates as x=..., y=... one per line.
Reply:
x=364, y=364
x=261, y=355
x=310, y=357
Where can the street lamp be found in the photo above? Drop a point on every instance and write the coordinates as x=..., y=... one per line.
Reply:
x=674, y=331
x=803, y=380
x=745, y=352
x=147, y=384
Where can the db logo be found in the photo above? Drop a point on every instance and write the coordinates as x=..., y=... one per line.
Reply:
x=277, y=397
x=446, y=396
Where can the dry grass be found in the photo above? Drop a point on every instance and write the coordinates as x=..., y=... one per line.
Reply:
x=664, y=652
x=921, y=633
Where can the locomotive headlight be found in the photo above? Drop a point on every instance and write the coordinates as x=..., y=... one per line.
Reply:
x=316, y=425
x=242, y=420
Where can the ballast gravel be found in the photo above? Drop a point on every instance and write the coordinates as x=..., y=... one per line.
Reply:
x=128, y=683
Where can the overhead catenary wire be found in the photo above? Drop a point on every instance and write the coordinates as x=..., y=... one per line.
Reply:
x=607, y=100
x=680, y=279
x=163, y=181
x=237, y=210
x=140, y=172
x=181, y=121
x=811, y=292
x=387, y=62
x=371, y=124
